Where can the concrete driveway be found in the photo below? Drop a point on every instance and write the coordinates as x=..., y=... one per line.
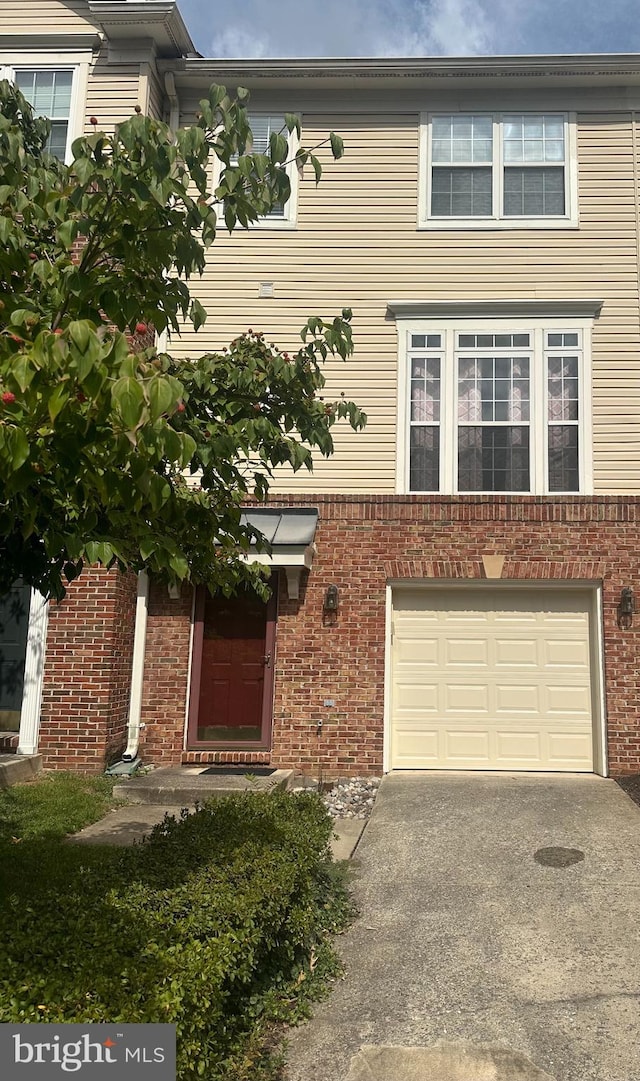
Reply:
x=488, y=962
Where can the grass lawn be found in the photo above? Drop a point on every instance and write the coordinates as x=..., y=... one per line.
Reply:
x=53, y=806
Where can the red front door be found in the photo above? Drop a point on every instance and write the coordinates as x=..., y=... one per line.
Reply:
x=232, y=671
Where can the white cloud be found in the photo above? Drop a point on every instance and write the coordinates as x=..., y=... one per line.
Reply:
x=341, y=28
x=455, y=28
x=354, y=28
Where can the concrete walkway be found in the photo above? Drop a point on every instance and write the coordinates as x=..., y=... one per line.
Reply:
x=129, y=824
x=478, y=956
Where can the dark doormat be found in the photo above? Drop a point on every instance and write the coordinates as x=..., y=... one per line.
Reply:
x=238, y=771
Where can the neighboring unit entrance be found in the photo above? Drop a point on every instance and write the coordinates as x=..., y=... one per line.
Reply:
x=232, y=671
x=14, y=626
x=494, y=678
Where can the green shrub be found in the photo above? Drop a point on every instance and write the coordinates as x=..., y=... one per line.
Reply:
x=217, y=923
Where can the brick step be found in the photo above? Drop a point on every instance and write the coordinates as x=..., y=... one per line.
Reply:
x=184, y=786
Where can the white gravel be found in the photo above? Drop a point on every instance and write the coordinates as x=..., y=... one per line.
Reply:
x=353, y=798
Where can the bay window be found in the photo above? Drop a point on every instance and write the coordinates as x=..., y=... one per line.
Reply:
x=494, y=409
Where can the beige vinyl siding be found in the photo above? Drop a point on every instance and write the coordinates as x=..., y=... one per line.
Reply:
x=357, y=245
x=46, y=16
x=155, y=97
x=113, y=92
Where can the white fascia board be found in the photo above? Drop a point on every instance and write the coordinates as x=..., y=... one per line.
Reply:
x=142, y=17
x=283, y=555
x=604, y=67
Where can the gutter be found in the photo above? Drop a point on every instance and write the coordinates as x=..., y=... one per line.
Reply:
x=172, y=95
x=591, y=65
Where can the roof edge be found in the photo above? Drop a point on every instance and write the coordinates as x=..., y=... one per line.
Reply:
x=165, y=13
x=604, y=64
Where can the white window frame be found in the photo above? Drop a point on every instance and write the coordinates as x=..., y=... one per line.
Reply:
x=449, y=328
x=569, y=220
x=78, y=63
x=290, y=216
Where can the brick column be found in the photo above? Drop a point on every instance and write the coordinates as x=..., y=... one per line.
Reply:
x=87, y=672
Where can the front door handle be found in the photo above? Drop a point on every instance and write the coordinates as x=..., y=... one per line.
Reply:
x=267, y=660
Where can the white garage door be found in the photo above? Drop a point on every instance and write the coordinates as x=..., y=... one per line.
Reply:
x=493, y=678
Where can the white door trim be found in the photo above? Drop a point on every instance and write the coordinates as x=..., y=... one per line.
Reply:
x=33, y=674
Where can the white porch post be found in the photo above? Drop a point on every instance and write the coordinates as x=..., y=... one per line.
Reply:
x=33, y=674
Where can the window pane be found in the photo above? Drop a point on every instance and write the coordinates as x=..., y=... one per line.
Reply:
x=61, y=105
x=424, y=459
x=563, y=389
x=555, y=340
x=490, y=341
x=563, y=458
x=425, y=341
x=493, y=459
x=533, y=192
x=493, y=388
x=49, y=92
x=425, y=389
x=462, y=193
x=262, y=128
x=533, y=138
x=462, y=139
x=57, y=141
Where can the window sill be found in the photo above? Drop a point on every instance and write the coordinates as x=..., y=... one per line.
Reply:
x=494, y=495
x=496, y=224
x=278, y=226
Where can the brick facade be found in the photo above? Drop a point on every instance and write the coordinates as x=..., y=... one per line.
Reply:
x=87, y=672
x=365, y=541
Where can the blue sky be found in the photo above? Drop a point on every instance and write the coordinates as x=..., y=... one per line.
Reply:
x=331, y=28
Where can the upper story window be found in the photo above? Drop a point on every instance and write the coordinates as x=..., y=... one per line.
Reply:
x=49, y=92
x=498, y=408
x=263, y=125
x=498, y=170
x=54, y=90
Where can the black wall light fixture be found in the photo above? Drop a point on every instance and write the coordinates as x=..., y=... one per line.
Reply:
x=626, y=607
x=331, y=599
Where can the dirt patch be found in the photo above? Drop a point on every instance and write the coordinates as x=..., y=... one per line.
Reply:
x=630, y=785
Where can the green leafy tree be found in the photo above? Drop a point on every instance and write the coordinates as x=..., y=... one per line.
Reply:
x=112, y=453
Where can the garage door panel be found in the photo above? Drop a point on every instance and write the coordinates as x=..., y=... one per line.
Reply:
x=420, y=747
x=414, y=650
x=490, y=679
x=418, y=697
x=566, y=653
x=516, y=652
x=514, y=698
x=466, y=652
x=524, y=748
x=570, y=747
x=466, y=698
x=569, y=701
x=470, y=744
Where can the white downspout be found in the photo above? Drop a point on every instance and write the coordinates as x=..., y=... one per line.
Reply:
x=137, y=668
x=174, y=104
